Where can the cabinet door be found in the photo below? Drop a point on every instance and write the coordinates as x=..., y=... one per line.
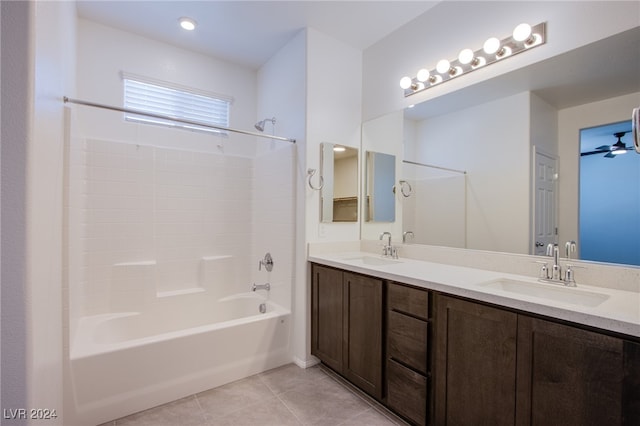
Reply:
x=569, y=376
x=363, y=332
x=326, y=315
x=475, y=364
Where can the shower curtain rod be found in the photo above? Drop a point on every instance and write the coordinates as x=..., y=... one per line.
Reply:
x=435, y=167
x=179, y=120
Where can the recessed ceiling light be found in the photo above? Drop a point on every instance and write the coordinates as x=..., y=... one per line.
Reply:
x=187, y=24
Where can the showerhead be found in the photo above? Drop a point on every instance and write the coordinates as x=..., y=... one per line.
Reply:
x=260, y=124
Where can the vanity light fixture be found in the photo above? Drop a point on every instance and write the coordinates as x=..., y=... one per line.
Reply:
x=339, y=148
x=187, y=23
x=524, y=37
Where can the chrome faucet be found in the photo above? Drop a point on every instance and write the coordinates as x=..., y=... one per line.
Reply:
x=406, y=234
x=556, y=271
x=388, y=250
x=555, y=275
x=569, y=279
x=266, y=286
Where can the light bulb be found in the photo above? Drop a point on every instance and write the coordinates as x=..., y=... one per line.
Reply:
x=491, y=46
x=405, y=82
x=423, y=75
x=187, y=24
x=522, y=32
x=443, y=66
x=465, y=56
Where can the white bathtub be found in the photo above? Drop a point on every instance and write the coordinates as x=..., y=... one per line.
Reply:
x=126, y=362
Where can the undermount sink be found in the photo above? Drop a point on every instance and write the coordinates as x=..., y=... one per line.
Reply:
x=553, y=292
x=373, y=260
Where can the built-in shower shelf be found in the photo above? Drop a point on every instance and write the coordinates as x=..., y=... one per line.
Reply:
x=141, y=263
x=181, y=292
x=224, y=256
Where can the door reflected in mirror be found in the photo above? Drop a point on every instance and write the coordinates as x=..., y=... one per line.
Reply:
x=380, y=200
x=339, y=194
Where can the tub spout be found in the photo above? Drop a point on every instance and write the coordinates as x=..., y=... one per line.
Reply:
x=266, y=286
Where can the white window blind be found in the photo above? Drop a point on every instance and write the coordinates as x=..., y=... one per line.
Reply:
x=155, y=98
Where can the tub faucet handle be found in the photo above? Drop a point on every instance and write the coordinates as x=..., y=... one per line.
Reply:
x=267, y=262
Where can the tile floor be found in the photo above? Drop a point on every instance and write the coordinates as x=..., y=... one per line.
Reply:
x=284, y=396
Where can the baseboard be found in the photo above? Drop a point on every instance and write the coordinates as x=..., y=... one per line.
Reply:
x=310, y=362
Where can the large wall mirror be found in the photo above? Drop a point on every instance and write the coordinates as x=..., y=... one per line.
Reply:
x=489, y=136
x=339, y=193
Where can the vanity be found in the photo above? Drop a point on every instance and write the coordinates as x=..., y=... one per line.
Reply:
x=442, y=344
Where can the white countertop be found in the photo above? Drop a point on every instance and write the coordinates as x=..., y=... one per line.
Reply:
x=620, y=312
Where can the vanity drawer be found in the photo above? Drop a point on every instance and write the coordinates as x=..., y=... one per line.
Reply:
x=407, y=392
x=407, y=340
x=408, y=300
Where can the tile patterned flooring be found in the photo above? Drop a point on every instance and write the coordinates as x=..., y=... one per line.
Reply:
x=284, y=396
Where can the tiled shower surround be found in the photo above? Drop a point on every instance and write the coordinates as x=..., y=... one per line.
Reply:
x=150, y=218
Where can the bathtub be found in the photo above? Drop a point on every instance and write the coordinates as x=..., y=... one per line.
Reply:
x=125, y=362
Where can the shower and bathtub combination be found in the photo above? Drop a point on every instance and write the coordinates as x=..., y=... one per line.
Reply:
x=165, y=296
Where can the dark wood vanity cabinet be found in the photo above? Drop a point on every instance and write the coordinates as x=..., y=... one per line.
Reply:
x=408, y=317
x=497, y=367
x=571, y=376
x=346, y=325
x=475, y=363
x=449, y=360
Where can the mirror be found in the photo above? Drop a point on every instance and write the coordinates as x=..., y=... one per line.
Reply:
x=380, y=176
x=339, y=194
x=494, y=129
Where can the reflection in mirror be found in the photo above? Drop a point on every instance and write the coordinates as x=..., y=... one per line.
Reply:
x=339, y=194
x=380, y=202
x=609, y=194
x=434, y=211
x=492, y=130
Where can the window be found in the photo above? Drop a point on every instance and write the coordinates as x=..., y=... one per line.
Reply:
x=167, y=100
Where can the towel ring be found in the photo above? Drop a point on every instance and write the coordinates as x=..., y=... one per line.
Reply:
x=310, y=173
x=404, y=184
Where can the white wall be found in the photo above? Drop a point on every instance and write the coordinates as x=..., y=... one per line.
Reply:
x=40, y=47
x=453, y=25
x=334, y=116
x=570, y=121
x=104, y=52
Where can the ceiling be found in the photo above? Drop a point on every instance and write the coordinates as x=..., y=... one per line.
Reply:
x=250, y=32
x=594, y=137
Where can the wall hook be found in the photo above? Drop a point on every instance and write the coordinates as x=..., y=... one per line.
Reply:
x=310, y=173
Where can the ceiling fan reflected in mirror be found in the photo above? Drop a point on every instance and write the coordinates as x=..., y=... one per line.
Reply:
x=611, y=151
